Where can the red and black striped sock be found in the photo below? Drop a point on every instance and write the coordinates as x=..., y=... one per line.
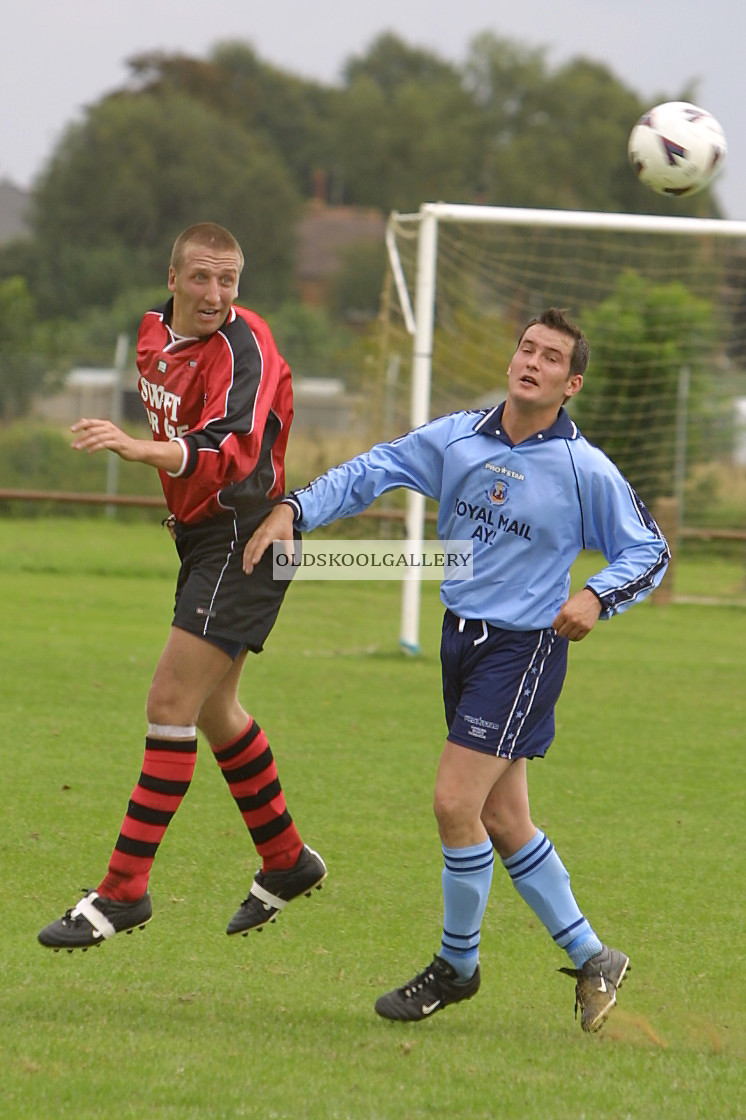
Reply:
x=167, y=770
x=250, y=771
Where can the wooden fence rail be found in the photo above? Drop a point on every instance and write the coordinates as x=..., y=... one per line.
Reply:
x=665, y=512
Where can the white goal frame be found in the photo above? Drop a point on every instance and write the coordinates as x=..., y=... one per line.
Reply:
x=419, y=318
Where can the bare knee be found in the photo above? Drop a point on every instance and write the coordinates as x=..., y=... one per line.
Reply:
x=221, y=722
x=508, y=830
x=446, y=807
x=188, y=672
x=495, y=821
x=168, y=704
x=458, y=820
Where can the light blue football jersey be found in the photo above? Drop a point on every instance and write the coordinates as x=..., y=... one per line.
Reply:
x=529, y=509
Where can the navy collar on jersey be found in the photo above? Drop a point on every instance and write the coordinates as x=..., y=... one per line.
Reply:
x=491, y=425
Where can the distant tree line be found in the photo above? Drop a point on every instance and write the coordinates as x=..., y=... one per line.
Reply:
x=236, y=140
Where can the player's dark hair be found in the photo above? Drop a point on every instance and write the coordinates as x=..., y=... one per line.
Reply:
x=554, y=318
x=208, y=234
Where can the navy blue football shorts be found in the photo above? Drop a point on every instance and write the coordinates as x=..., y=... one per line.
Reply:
x=500, y=687
x=215, y=599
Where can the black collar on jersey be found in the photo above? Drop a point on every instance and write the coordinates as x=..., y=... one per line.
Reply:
x=167, y=312
x=491, y=425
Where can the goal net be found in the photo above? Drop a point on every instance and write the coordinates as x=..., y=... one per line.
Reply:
x=662, y=301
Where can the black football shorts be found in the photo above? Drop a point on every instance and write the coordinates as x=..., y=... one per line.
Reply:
x=215, y=599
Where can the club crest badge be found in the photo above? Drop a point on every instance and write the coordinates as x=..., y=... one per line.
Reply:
x=498, y=493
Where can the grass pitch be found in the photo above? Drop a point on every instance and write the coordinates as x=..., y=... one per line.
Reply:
x=642, y=793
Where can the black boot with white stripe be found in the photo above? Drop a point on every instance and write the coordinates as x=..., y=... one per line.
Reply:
x=272, y=890
x=93, y=920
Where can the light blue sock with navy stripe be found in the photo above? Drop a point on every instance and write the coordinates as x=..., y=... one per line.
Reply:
x=467, y=878
x=542, y=881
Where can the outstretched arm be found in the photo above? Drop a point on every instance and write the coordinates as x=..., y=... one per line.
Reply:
x=102, y=435
x=414, y=460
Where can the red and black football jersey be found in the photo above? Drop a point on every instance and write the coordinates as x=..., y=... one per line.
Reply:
x=227, y=399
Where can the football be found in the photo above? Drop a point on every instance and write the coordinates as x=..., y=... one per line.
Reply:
x=677, y=148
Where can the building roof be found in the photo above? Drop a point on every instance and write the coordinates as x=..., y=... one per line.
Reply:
x=325, y=232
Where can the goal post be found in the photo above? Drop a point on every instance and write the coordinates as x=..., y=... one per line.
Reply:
x=427, y=253
x=662, y=299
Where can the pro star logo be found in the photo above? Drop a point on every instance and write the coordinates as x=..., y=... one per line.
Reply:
x=497, y=494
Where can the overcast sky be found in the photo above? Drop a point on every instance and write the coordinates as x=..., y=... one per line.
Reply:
x=58, y=57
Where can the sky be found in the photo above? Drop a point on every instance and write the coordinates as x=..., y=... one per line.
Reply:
x=57, y=58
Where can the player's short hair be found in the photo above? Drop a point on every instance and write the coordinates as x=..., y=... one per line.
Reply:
x=211, y=236
x=555, y=318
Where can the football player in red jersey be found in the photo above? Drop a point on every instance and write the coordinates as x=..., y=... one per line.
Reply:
x=218, y=397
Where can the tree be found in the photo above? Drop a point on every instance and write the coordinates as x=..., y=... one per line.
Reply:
x=559, y=139
x=407, y=130
x=21, y=365
x=239, y=141
x=642, y=336
x=290, y=113
x=356, y=290
x=401, y=128
x=126, y=181
x=504, y=78
x=391, y=63
x=313, y=344
x=571, y=151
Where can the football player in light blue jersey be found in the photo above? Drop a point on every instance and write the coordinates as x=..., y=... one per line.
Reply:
x=527, y=488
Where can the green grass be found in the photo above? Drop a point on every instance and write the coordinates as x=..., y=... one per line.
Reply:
x=642, y=793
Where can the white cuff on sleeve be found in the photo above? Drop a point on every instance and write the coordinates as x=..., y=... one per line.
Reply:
x=292, y=501
x=184, y=458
